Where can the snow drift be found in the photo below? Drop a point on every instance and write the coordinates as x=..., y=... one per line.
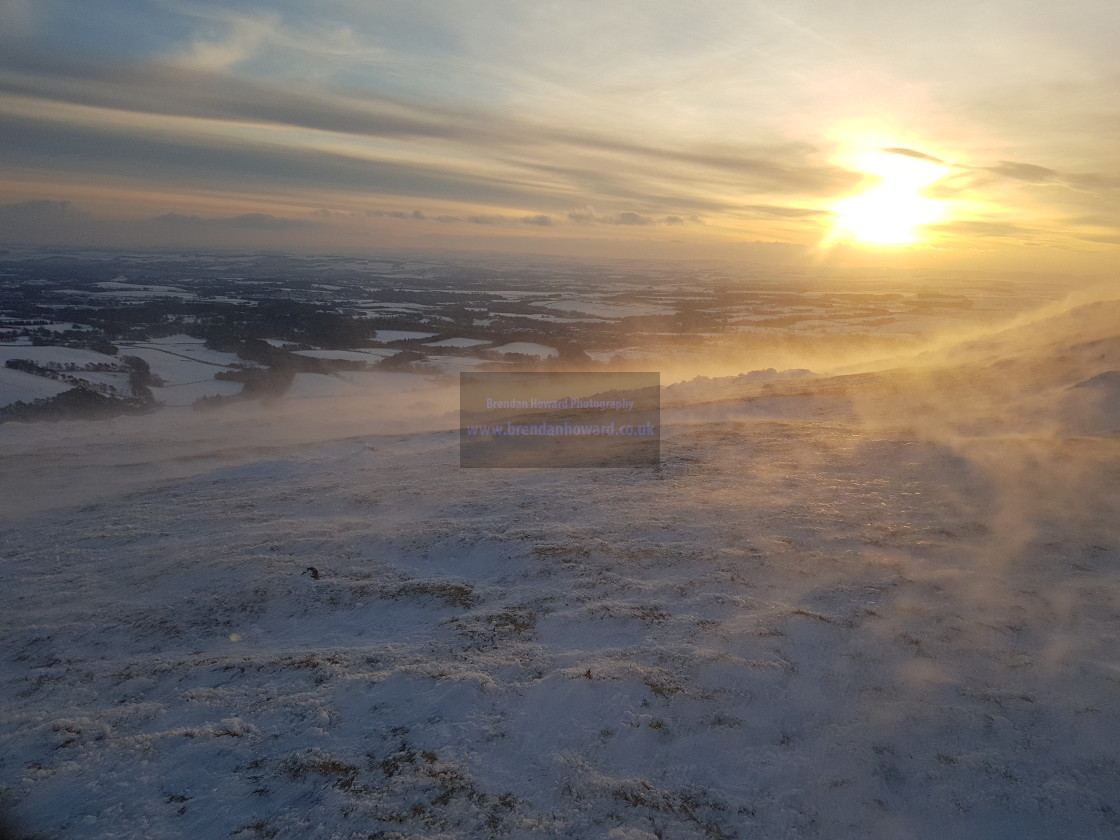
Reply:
x=880, y=604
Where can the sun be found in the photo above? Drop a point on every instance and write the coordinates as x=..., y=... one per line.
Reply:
x=892, y=211
x=883, y=216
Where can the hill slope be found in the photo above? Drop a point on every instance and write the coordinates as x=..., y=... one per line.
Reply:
x=875, y=605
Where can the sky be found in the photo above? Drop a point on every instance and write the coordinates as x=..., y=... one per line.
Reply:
x=957, y=134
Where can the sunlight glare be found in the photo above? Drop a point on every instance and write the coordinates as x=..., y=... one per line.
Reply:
x=890, y=212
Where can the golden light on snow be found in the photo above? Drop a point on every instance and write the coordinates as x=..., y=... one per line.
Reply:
x=235, y=637
x=893, y=210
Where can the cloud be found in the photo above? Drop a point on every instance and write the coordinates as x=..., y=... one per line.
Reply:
x=775, y=211
x=187, y=91
x=60, y=222
x=986, y=229
x=192, y=161
x=1033, y=174
x=41, y=212
x=1010, y=170
x=246, y=221
x=627, y=218
x=515, y=151
x=911, y=153
x=1028, y=192
x=1108, y=240
x=540, y=219
x=1092, y=182
x=588, y=215
x=1025, y=172
x=630, y=167
x=327, y=106
x=243, y=37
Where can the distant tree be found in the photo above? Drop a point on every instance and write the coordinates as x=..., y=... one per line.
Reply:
x=79, y=402
x=401, y=360
x=140, y=378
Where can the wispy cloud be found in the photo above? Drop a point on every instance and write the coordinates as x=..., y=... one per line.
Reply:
x=627, y=218
x=39, y=211
x=497, y=159
x=988, y=229
x=162, y=89
x=243, y=39
x=62, y=222
x=913, y=153
x=538, y=220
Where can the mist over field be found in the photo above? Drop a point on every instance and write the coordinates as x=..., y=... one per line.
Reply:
x=865, y=594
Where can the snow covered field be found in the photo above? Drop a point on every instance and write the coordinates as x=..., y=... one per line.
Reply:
x=16, y=385
x=186, y=367
x=882, y=604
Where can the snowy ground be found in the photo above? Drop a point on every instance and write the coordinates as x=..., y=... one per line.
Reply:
x=876, y=605
x=17, y=385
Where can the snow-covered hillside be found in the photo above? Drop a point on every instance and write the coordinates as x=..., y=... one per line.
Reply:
x=881, y=604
